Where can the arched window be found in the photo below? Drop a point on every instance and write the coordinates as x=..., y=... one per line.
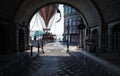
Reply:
x=94, y=41
x=116, y=38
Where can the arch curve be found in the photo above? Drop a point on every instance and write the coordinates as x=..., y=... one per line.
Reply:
x=30, y=7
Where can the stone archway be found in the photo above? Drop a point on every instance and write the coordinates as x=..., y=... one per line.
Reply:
x=87, y=10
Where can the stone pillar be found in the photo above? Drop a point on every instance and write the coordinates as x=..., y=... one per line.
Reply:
x=3, y=39
x=81, y=39
x=87, y=39
x=109, y=40
x=11, y=38
x=17, y=37
x=28, y=38
x=78, y=39
x=104, y=39
x=25, y=37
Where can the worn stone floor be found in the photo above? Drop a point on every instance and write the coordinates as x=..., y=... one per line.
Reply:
x=57, y=62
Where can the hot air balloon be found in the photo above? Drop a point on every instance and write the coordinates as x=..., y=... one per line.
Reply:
x=47, y=13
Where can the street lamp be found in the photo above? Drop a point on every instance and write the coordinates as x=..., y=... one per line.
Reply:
x=68, y=37
x=80, y=27
x=76, y=22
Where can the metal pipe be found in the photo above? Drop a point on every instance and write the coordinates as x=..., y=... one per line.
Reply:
x=68, y=37
x=31, y=50
x=38, y=47
x=42, y=47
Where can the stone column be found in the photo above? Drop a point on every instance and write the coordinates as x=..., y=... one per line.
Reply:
x=3, y=39
x=28, y=38
x=81, y=39
x=104, y=39
x=12, y=38
x=17, y=37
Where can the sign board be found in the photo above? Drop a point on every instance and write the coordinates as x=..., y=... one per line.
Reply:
x=81, y=26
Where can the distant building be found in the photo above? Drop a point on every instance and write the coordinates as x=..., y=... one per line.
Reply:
x=71, y=20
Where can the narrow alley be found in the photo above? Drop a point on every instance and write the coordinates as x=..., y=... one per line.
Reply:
x=57, y=62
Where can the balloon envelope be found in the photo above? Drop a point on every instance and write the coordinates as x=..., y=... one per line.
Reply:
x=47, y=12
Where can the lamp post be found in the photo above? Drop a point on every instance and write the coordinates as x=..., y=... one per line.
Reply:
x=68, y=37
x=76, y=22
x=80, y=27
x=42, y=45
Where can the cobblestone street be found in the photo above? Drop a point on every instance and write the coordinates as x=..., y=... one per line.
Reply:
x=57, y=62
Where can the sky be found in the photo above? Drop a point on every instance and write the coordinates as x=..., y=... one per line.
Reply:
x=37, y=23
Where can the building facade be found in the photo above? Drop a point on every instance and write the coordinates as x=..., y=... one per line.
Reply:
x=71, y=20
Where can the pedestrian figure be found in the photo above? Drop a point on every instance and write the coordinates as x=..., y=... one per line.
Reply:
x=42, y=47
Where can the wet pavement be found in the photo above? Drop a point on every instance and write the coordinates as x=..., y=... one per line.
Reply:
x=57, y=62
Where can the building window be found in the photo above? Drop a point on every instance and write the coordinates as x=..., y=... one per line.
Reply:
x=73, y=10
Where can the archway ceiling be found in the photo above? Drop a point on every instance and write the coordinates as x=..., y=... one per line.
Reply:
x=110, y=9
x=84, y=6
x=23, y=10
